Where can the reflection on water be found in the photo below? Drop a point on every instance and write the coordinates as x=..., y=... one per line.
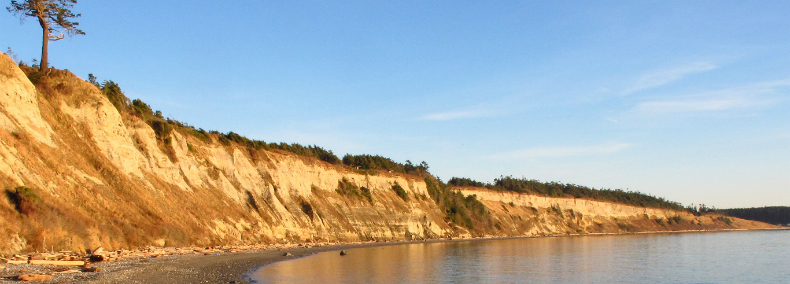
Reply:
x=726, y=257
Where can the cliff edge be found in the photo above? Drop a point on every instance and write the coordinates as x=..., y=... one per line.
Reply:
x=78, y=173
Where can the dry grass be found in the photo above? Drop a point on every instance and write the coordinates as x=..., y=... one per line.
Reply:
x=84, y=200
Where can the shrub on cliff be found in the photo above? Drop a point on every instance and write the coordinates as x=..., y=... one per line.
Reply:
x=113, y=92
x=400, y=191
x=23, y=199
x=347, y=188
x=726, y=220
x=466, y=212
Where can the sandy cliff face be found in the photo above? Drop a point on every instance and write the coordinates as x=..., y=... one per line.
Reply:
x=99, y=177
x=531, y=215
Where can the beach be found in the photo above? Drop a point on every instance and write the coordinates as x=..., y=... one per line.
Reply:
x=221, y=267
x=230, y=267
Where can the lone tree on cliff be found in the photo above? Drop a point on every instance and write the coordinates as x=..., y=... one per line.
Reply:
x=54, y=16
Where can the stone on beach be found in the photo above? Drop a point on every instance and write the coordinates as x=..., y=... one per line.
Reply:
x=34, y=277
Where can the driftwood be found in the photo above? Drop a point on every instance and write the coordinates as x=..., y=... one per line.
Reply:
x=98, y=250
x=58, y=262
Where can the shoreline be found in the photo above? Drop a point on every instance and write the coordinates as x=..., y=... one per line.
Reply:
x=237, y=267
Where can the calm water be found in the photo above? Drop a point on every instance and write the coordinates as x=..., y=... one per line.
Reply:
x=722, y=257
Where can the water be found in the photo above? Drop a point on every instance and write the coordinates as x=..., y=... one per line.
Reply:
x=720, y=257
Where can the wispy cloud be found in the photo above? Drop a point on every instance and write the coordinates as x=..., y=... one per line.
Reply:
x=549, y=152
x=663, y=77
x=459, y=114
x=727, y=99
x=690, y=106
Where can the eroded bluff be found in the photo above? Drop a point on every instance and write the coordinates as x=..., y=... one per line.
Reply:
x=77, y=173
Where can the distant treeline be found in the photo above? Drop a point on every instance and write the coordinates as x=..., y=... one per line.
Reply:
x=778, y=215
x=557, y=189
x=376, y=162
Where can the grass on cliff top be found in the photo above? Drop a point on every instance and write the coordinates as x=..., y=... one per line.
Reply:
x=162, y=127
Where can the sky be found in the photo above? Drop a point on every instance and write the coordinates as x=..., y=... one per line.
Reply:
x=686, y=100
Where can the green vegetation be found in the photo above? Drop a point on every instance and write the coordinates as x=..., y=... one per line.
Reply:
x=308, y=151
x=778, y=215
x=54, y=16
x=376, y=162
x=557, y=189
x=456, y=181
x=114, y=94
x=164, y=126
x=625, y=227
x=346, y=188
x=400, y=191
x=675, y=219
x=725, y=220
x=23, y=199
x=138, y=108
x=463, y=211
x=556, y=208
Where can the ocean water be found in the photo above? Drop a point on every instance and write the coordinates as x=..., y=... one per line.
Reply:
x=710, y=257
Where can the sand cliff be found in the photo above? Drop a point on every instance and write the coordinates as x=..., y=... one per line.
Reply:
x=102, y=178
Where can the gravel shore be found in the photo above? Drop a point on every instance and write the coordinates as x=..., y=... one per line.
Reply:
x=213, y=268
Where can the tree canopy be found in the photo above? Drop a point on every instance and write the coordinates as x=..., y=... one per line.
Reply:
x=55, y=18
x=558, y=189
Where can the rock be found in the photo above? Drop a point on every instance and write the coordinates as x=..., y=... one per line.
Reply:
x=91, y=269
x=34, y=277
x=287, y=254
x=97, y=258
x=343, y=252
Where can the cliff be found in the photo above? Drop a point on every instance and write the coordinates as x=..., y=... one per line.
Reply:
x=77, y=173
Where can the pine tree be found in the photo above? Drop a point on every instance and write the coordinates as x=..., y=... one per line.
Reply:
x=54, y=16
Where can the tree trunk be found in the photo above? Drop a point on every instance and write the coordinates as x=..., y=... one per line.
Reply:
x=44, y=64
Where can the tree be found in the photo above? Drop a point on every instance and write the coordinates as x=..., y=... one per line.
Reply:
x=54, y=16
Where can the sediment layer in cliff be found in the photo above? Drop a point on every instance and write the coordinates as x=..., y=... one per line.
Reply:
x=77, y=174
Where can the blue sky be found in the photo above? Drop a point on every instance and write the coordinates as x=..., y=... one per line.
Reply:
x=687, y=100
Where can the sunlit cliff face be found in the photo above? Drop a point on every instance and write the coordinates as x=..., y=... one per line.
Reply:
x=77, y=174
